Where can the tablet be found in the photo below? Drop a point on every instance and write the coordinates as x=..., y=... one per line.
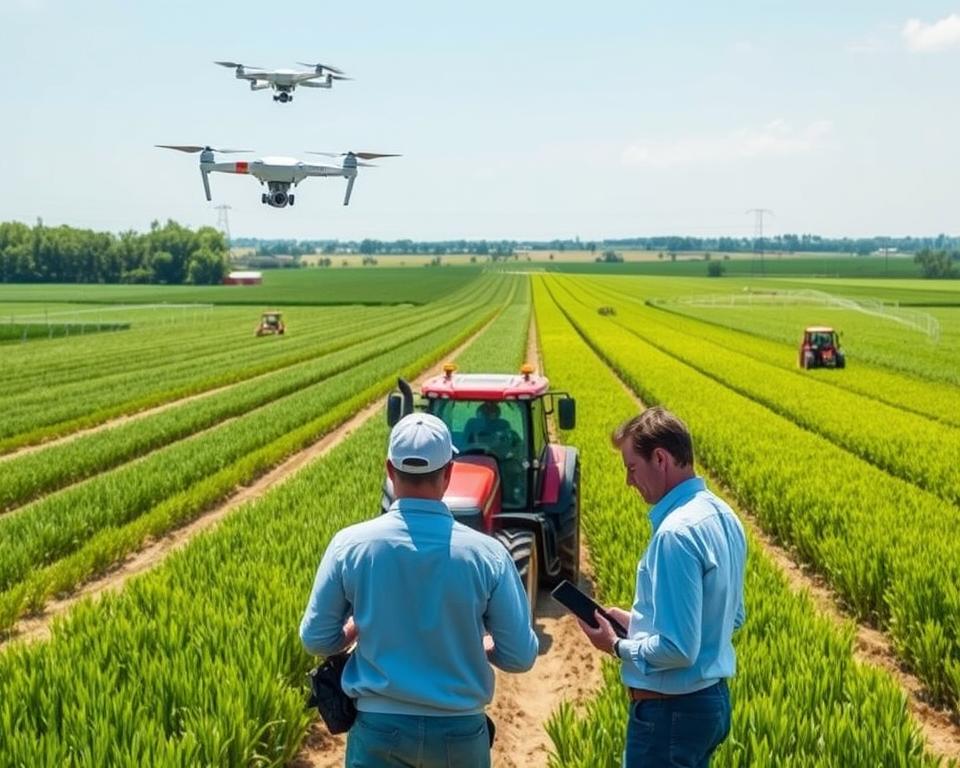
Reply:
x=582, y=605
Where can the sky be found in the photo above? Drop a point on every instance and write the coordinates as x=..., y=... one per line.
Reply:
x=526, y=121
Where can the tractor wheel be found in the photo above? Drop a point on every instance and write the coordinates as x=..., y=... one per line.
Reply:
x=522, y=546
x=841, y=361
x=569, y=546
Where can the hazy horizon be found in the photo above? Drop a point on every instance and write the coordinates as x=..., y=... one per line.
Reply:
x=618, y=120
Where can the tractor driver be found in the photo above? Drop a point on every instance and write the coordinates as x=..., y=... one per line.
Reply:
x=491, y=431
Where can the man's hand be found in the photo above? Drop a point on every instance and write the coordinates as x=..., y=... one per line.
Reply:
x=350, y=633
x=603, y=637
x=619, y=615
x=488, y=644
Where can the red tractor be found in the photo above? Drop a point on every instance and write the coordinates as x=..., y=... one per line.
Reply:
x=820, y=348
x=271, y=322
x=508, y=479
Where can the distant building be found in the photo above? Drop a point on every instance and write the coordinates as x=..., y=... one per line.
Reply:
x=243, y=278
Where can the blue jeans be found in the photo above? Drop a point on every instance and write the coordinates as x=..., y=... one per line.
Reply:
x=377, y=740
x=682, y=731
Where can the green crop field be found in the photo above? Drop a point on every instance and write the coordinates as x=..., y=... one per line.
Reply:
x=307, y=286
x=110, y=441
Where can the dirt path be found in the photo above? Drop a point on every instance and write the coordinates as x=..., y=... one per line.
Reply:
x=37, y=627
x=568, y=667
x=940, y=727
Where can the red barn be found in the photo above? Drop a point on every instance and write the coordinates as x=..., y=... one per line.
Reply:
x=243, y=278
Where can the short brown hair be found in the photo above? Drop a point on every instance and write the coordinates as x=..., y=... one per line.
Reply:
x=422, y=479
x=656, y=428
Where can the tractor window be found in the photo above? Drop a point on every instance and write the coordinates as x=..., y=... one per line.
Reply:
x=495, y=428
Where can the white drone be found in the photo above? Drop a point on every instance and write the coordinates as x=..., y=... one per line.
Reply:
x=285, y=80
x=278, y=173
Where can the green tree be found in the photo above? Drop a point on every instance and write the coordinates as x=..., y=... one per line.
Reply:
x=937, y=264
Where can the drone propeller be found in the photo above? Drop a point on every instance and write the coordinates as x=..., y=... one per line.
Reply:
x=235, y=65
x=321, y=66
x=361, y=155
x=191, y=148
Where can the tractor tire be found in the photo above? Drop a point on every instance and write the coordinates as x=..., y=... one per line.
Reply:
x=569, y=546
x=841, y=361
x=522, y=546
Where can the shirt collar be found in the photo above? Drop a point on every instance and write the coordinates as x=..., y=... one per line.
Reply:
x=679, y=493
x=407, y=504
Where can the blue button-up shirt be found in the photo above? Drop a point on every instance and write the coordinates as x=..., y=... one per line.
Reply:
x=423, y=589
x=689, y=596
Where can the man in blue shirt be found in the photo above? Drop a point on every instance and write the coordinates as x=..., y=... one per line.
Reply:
x=678, y=652
x=431, y=605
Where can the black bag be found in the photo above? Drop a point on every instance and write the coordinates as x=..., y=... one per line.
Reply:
x=326, y=694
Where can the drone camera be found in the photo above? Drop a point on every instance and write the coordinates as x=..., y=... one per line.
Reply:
x=278, y=199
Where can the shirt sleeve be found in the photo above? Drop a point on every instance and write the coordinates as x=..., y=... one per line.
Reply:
x=741, y=616
x=321, y=629
x=508, y=621
x=677, y=584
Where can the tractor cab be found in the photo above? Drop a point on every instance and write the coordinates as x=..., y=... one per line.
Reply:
x=271, y=322
x=820, y=348
x=508, y=479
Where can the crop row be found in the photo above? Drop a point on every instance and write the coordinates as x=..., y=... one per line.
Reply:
x=151, y=345
x=915, y=448
x=880, y=341
x=28, y=476
x=936, y=399
x=199, y=662
x=863, y=529
x=86, y=528
x=799, y=696
x=40, y=412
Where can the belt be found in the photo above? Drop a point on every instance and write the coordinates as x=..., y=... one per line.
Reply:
x=639, y=694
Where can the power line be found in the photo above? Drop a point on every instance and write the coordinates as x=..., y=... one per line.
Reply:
x=223, y=221
x=758, y=214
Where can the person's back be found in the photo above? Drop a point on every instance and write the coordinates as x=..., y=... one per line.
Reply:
x=418, y=592
x=433, y=579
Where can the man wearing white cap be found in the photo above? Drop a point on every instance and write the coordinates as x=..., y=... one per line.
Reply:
x=419, y=591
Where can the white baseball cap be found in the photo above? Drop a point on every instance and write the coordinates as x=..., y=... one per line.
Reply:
x=420, y=443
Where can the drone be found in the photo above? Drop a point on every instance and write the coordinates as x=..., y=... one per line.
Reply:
x=278, y=173
x=285, y=80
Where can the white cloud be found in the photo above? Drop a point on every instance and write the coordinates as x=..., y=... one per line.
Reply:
x=928, y=38
x=775, y=139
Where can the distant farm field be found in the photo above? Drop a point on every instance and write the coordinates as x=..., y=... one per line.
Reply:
x=306, y=286
x=110, y=442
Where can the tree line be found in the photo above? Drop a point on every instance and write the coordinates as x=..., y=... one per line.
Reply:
x=169, y=254
x=787, y=243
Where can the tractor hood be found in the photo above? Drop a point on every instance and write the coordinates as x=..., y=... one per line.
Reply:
x=474, y=492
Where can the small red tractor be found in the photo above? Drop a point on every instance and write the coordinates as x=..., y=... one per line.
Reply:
x=271, y=322
x=820, y=348
x=508, y=479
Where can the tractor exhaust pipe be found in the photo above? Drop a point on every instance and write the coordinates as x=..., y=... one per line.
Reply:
x=407, y=393
x=399, y=404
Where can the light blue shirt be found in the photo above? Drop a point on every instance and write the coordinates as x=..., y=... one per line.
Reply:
x=423, y=589
x=689, y=596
